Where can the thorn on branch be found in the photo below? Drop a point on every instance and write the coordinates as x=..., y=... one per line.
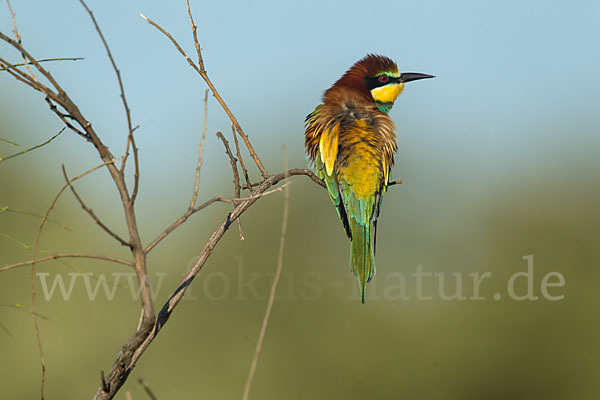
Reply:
x=105, y=386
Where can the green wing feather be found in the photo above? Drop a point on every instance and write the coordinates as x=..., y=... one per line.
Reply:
x=362, y=256
x=334, y=193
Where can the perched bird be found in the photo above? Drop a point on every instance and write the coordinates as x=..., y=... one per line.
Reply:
x=352, y=142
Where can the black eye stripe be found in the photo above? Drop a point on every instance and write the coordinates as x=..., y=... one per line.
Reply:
x=374, y=82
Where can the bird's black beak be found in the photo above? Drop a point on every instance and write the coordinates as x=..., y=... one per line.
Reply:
x=413, y=76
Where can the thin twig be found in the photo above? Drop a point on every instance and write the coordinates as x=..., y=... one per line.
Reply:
x=32, y=148
x=47, y=60
x=200, y=152
x=32, y=275
x=207, y=203
x=396, y=182
x=204, y=75
x=233, y=162
x=12, y=239
x=18, y=37
x=45, y=216
x=67, y=255
x=17, y=73
x=258, y=196
x=265, y=322
x=240, y=229
x=189, y=212
x=9, y=142
x=63, y=118
x=33, y=82
x=22, y=212
x=33, y=314
x=236, y=177
x=239, y=156
x=118, y=177
x=194, y=28
x=147, y=389
x=130, y=138
x=91, y=212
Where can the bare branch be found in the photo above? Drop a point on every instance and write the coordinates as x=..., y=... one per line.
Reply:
x=47, y=60
x=91, y=212
x=194, y=28
x=200, y=151
x=32, y=275
x=233, y=162
x=149, y=327
x=207, y=203
x=32, y=148
x=204, y=76
x=67, y=255
x=258, y=196
x=236, y=177
x=130, y=138
x=38, y=85
x=18, y=37
x=181, y=220
x=23, y=212
x=9, y=142
x=133, y=349
x=62, y=99
x=12, y=239
x=18, y=74
x=276, y=278
x=239, y=156
x=63, y=118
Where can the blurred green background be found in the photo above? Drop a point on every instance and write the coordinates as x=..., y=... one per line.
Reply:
x=499, y=156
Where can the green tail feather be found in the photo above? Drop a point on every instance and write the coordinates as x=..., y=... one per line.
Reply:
x=362, y=259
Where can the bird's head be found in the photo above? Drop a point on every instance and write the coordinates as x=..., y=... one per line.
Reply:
x=378, y=77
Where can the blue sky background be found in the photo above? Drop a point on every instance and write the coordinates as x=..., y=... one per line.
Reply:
x=515, y=79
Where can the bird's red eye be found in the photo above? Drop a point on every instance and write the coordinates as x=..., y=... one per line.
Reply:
x=383, y=78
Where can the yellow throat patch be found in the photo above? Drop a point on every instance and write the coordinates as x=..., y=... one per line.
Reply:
x=387, y=93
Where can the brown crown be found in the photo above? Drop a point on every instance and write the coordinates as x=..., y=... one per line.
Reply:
x=368, y=66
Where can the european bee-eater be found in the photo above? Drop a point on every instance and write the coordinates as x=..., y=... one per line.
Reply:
x=352, y=141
